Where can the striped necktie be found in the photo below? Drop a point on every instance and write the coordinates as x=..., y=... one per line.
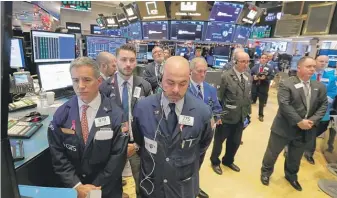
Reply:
x=199, y=92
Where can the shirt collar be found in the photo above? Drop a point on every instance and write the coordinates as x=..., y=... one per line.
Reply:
x=165, y=103
x=303, y=82
x=121, y=80
x=195, y=84
x=95, y=103
x=237, y=72
x=103, y=76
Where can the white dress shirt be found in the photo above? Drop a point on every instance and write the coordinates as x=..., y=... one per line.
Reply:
x=91, y=111
x=201, y=87
x=165, y=104
x=238, y=74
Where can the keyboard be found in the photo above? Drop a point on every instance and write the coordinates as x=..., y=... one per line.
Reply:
x=19, y=129
x=21, y=105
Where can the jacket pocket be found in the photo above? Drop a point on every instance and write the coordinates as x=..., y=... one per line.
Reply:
x=100, y=151
x=186, y=166
x=188, y=187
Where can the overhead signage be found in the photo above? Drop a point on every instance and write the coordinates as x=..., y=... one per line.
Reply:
x=190, y=10
x=152, y=10
x=74, y=27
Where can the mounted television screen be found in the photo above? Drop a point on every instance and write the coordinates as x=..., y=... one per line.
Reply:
x=225, y=12
x=112, y=32
x=220, y=32
x=292, y=7
x=241, y=35
x=187, y=30
x=152, y=10
x=288, y=27
x=249, y=14
x=76, y=5
x=135, y=31
x=97, y=44
x=220, y=62
x=221, y=50
x=260, y=32
x=155, y=30
x=190, y=10
x=95, y=29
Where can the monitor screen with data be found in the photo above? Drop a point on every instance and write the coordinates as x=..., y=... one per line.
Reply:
x=261, y=32
x=225, y=12
x=53, y=47
x=155, y=30
x=54, y=76
x=17, y=53
x=97, y=44
x=241, y=35
x=220, y=32
x=187, y=30
x=220, y=61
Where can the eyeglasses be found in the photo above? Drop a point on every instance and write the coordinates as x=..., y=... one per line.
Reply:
x=243, y=61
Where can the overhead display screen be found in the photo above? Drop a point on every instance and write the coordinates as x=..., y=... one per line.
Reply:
x=97, y=44
x=190, y=10
x=249, y=14
x=241, y=35
x=155, y=30
x=225, y=12
x=134, y=31
x=288, y=27
x=112, y=32
x=152, y=10
x=95, y=29
x=261, y=32
x=220, y=32
x=187, y=30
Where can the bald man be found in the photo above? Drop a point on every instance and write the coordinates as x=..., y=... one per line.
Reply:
x=235, y=97
x=107, y=64
x=328, y=78
x=173, y=130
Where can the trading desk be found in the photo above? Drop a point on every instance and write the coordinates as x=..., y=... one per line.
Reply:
x=43, y=192
x=36, y=168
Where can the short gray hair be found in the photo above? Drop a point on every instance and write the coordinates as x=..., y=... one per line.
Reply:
x=235, y=51
x=85, y=61
x=196, y=60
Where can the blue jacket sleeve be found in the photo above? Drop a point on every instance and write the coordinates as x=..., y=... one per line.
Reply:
x=216, y=107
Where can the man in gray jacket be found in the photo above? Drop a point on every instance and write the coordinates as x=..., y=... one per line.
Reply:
x=235, y=97
x=302, y=104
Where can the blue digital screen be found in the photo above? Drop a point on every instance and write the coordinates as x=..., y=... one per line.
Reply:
x=241, y=35
x=220, y=61
x=155, y=30
x=225, y=12
x=112, y=32
x=95, y=29
x=181, y=51
x=221, y=50
x=17, y=54
x=261, y=32
x=220, y=32
x=187, y=30
x=135, y=31
x=97, y=44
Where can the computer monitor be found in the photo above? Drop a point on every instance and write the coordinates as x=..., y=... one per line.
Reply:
x=53, y=47
x=263, y=31
x=220, y=32
x=97, y=44
x=155, y=30
x=187, y=30
x=225, y=11
x=221, y=50
x=241, y=35
x=54, y=76
x=134, y=31
x=17, y=53
x=220, y=61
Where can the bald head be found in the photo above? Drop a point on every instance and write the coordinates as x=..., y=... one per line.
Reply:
x=175, y=78
x=321, y=62
x=242, y=61
x=237, y=50
x=107, y=63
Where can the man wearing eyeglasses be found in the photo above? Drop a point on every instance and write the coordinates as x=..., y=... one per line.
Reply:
x=235, y=98
x=153, y=72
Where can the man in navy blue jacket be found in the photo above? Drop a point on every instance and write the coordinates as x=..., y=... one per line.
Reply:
x=262, y=74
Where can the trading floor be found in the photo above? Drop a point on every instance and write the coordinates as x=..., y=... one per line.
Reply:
x=246, y=184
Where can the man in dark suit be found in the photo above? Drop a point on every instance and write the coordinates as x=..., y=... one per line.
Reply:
x=302, y=104
x=107, y=64
x=173, y=130
x=126, y=89
x=153, y=71
x=262, y=74
x=235, y=98
x=205, y=92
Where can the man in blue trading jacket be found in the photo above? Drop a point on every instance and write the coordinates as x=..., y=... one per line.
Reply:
x=205, y=92
x=262, y=74
x=87, y=145
x=173, y=130
x=329, y=80
x=126, y=89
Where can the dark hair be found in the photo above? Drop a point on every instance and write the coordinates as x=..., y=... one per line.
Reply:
x=127, y=47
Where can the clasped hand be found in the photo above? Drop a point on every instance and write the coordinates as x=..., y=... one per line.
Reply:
x=83, y=190
x=305, y=124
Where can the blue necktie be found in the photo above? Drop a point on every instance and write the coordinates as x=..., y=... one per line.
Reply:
x=200, y=93
x=172, y=118
x=125, y=99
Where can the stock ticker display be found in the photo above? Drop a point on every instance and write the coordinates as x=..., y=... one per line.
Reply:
x=97, y=44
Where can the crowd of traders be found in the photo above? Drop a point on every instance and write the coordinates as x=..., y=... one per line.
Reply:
x=164, y=122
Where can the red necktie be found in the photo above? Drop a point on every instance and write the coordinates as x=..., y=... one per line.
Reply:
x=319, y=77
x=261, y=69
x=84, y=123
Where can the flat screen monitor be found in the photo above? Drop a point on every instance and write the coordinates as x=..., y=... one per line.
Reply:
x=225, y=12
x=220, y=32
x=54, y=76
x=53, y=47
x=190, y=10
x=17, y=54
x=112, y=32
x=142, y=52
x=95, y=29
x=221, y=51
x=181, y=50
x=261, y=32
x=220, y=61
x=134, y=31
x=76, y=5
x=155, y=30
x=241, y=35
x=97, y=44
x=187, y=30
x=152, y=10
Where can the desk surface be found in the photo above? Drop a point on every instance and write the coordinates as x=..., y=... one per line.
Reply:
x=46, y=192
x=38, y=142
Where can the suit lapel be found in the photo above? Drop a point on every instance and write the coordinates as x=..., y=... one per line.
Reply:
x=314, y=93
x=207, y=93
x=236, y=79
x=75, y=117
x=136, y=83
x=301, y=91
x=115, y=89
x=193, y=90
x=159, y=114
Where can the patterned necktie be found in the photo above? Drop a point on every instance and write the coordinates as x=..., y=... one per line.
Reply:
x=319, y=77
x=242, y=81
x=199, y=92
x=84, y=123
x=172, y=118
x=261, y=69
x=125, y=99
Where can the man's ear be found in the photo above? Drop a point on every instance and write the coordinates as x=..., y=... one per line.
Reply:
x=100, y=80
